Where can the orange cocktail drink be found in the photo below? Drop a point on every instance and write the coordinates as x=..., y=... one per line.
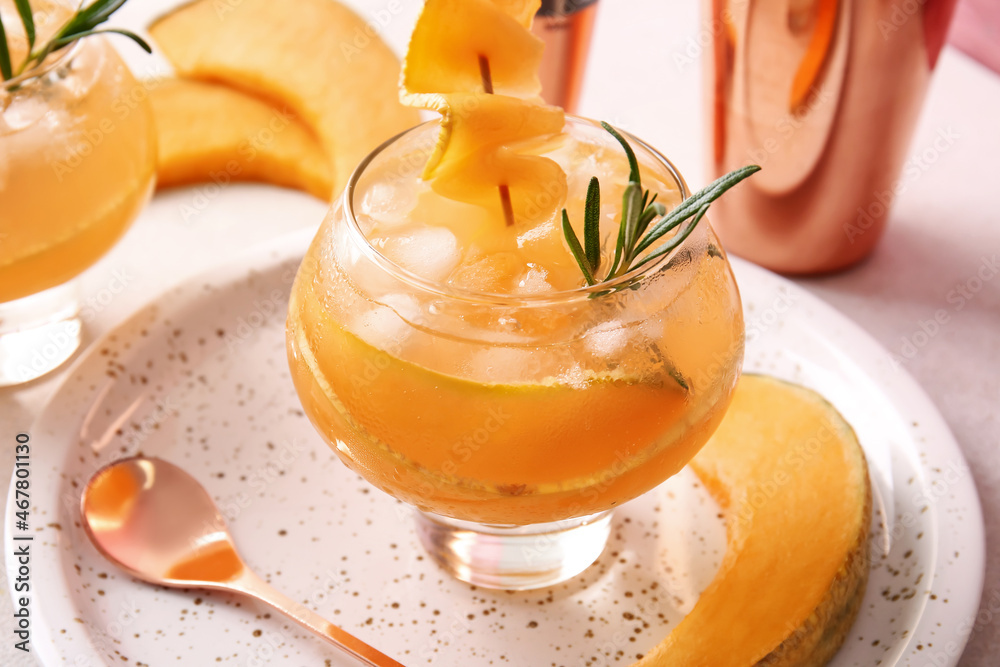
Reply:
x=77, y=171
x=512, y=318
x=460, y=365
x=77, y=163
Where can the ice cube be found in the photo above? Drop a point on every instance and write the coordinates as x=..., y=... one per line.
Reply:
x=430, y=252
x=543, y=245
x=540, y=233
x=608, y=339
x=23, y=111
x=387, y=205
x=494, y=273
x=534, y=281
x=387, y=326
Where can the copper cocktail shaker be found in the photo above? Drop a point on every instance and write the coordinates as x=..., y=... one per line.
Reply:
x=566, y=27
x=824, y=95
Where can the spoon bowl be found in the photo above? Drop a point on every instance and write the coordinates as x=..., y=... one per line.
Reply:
x=156, y=522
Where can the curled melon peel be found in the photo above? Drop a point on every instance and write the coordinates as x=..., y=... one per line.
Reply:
x=316, y=59
x=478, y=123
x=794, y=481
x=207, y=131
x=476, y=63
x=536, y=186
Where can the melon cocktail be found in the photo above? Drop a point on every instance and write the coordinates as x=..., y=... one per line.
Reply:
x=460, y=347
x=462, y=366
x=77, y=163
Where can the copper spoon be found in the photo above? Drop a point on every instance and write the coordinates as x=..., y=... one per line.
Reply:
x=157, y=523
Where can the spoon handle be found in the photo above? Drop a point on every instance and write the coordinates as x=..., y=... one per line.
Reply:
x=253, y=585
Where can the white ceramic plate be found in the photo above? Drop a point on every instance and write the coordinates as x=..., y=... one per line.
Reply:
x=199, y=377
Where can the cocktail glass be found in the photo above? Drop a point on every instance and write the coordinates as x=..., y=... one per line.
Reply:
x=514, y=422
x=77, y=164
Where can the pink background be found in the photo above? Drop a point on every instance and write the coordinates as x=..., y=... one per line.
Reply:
x=976, y=30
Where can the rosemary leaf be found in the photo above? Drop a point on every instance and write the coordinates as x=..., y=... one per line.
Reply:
x=692, y=204
x=83, y=23
x=633, y=164
x=636, y=229
x=651, y=212
x=24, y=11
x=64, y=41
x=574, y=246
x=631, y=210
x=592, y=226
x=5, y=68
x=619, y=250
x=95, y=14
x=677, y=239
x=678, y=378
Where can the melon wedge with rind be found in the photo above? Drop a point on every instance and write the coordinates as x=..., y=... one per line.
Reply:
x=793, y=479
x=205, y=130
x=315, y=57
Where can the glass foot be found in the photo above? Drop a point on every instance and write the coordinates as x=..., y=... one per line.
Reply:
x=514, y=558
x=38, y=333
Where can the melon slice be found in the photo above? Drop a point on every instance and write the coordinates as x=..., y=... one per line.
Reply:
x=522, y=11
x=794, y=482
x=452, y=35
x=474, y=122
x=536, y=186
x=208, y=132
x=315, y=58
x=476, y=63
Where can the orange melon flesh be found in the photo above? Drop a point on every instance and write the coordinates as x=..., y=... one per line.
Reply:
x=474, y=123
x=315, y=58
x=207, y=131
x=522, y=11
x=793, y=479
x=451, y=36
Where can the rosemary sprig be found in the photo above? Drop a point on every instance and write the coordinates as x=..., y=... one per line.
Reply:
x=589, y=256
x=637, y=231
x=28, y=19
x=83, y=23
x=5, y=68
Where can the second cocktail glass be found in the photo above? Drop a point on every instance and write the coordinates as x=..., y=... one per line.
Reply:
x=466, y=373
x=77, y=164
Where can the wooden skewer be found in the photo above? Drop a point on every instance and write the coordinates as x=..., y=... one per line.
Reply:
x=484, y=72
x=505, y=202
